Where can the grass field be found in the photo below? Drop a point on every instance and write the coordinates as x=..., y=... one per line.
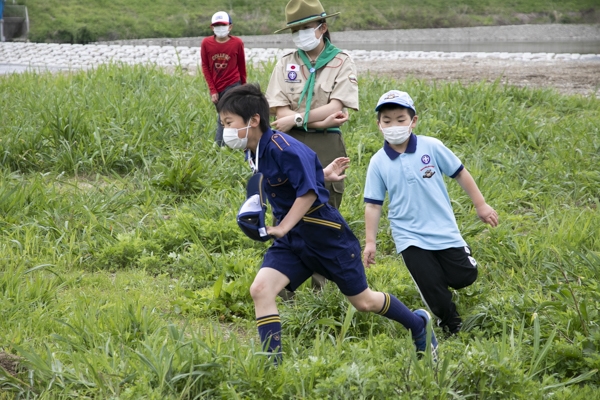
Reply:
x=82, y=21
x=123, y=273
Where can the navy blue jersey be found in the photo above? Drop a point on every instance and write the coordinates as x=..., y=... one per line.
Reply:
x=291, y=170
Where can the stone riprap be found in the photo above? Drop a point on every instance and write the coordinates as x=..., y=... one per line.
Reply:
x=66, y=56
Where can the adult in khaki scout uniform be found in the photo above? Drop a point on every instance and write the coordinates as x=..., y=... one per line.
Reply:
x=310, y=86
x=312, y=83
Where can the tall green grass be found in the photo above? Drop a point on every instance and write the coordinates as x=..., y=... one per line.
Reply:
x=123, y=273
x=82, y=21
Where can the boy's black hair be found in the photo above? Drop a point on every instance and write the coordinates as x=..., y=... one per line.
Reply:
x=392, y=106
x=246, y=101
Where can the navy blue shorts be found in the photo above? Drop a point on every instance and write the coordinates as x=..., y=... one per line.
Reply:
x=321, y=242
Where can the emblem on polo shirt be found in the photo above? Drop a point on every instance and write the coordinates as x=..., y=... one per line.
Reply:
x=292, y=75
x=428, y=174
x=425, y=159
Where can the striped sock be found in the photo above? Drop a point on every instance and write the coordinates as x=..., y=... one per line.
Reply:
x=394, y=309
x=269, y=330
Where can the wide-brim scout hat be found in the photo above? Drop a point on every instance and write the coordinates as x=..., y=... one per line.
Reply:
x=300, y=12
x=396, y=97
x=251, y=217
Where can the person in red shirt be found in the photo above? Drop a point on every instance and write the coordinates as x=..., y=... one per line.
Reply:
x=223, y=62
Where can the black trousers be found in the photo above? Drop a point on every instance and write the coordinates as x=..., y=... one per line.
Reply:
x=434, y=271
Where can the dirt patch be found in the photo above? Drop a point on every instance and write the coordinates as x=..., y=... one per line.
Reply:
x=568, y=77
x=9, y=362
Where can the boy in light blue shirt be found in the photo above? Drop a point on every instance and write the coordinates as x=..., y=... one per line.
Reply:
x=410, y=169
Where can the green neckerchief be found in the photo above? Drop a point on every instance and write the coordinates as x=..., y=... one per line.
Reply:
x=328, y=53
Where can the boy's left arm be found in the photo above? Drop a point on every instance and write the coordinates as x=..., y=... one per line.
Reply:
x=242, y=64
x=300, y=207
x=485, y=213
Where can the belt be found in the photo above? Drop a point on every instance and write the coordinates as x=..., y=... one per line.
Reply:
x=327, y=130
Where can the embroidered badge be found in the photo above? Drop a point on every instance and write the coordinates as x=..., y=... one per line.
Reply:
x=292, y=67
x=428, y=174
x=352, y=79
x=425, y=159
x=292, y=73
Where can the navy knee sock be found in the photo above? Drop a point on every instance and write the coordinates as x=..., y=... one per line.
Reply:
x=269, y=330
x=394, y=309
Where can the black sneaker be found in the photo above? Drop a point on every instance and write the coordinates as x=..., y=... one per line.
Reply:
x=451, y=328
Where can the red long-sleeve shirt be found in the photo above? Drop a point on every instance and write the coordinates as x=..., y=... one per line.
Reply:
x=223, y=64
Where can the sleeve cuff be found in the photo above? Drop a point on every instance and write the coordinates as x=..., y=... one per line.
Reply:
x=454, y=175
x=373, y=201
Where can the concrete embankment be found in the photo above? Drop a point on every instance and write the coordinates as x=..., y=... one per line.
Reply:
x=179, y=52
x=506, y=33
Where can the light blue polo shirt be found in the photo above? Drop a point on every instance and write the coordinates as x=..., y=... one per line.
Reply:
x=420, y=212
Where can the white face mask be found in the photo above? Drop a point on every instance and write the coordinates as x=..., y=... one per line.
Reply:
x=396, y=134
x=221, y=31
x=231, y=139
x=305, y=39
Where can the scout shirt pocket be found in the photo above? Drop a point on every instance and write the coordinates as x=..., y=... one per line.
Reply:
x=278, y=188
x=322, y=94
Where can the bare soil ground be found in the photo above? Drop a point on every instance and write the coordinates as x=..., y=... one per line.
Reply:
x=9, y=362
x=567, y=77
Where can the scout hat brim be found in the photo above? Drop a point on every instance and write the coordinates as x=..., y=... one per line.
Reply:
x=306, y=20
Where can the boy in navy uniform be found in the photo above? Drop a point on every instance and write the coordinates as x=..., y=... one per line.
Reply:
x=311, y=235
x=410, y=168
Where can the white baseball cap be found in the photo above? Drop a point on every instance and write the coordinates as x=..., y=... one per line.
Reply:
x=220, y=18
x=396, y=97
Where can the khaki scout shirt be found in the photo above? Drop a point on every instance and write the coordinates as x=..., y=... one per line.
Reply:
x=337, y=80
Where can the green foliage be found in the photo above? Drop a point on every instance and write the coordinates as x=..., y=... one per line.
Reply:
x=124, y=274
x=79, y=21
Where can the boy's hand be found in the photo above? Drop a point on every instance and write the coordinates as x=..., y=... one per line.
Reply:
x=334, y=172
x=487, y=214
x=275, y=231
x=369, y=255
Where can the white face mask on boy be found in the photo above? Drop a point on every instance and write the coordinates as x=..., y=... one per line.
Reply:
x=305, y=39
x=396, y=134
x=221, y=31
x=231, y=139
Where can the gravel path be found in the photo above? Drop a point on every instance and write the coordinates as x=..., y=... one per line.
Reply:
x=568, y=77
